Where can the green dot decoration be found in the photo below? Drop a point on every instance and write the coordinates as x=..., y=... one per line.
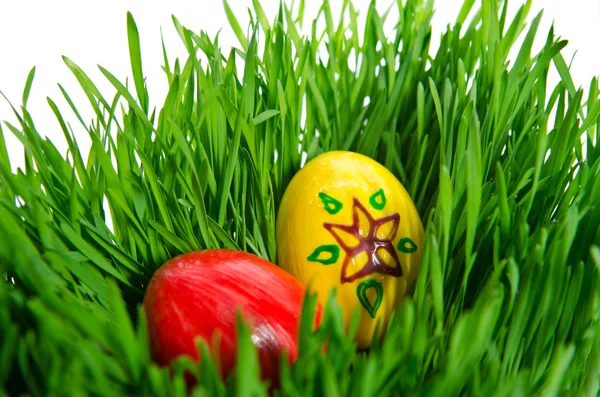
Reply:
x=378, y=200
x=407, y=246
x=332, y=206
x=361, y=291
x=325, y=254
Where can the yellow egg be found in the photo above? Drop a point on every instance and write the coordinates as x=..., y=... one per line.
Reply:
x=346, y=223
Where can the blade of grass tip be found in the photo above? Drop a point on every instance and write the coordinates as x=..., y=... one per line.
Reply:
x=511, y=34
x=592, y=117
x=20, y=248
x=16, y=114
x=31, y=149
x=207, y=172
x=114, y=250
x=223, y=236
x=91, y=253
x=595, y=255
x=501, y=18
x=440, y=116
x=166, y=66
x=128, y=97
x=74, y=108
x=28, y=84
x=231, y=112
x=185, y=37
x=307, y=321
x=88, y=86
x=565, y=75
x=74, y=149
x=249, y=83
x=329, y=26
x=4, y=159
x=135, y=57
x=170, y=236
x=264, y=116
x=291, y=30
x=562, y=359
x=247, y=371
x=126, y=335
x=262, y=17
x=235, y=25
x=301, y=7
x=445, y=202
x=542, y=63
x=522, y=61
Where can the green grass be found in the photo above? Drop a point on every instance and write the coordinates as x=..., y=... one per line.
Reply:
x=508, y=299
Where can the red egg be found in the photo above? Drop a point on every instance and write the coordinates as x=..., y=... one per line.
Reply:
x=199, y=293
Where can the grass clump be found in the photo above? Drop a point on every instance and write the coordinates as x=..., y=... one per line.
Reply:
x=507, y=302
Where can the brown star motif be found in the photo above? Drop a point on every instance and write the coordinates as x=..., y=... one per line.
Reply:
x=374, y=239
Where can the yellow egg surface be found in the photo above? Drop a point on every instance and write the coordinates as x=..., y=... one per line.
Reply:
x=346, y=223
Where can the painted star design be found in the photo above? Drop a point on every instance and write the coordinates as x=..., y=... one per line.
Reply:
x=373, y=238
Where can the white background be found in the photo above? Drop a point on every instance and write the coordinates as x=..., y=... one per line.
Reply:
x=38, y=32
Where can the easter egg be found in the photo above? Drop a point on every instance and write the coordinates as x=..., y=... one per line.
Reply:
x=346, y=223
x=198, y=294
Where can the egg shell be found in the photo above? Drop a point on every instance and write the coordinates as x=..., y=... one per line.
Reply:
x=345, y=222
x=199, y=293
